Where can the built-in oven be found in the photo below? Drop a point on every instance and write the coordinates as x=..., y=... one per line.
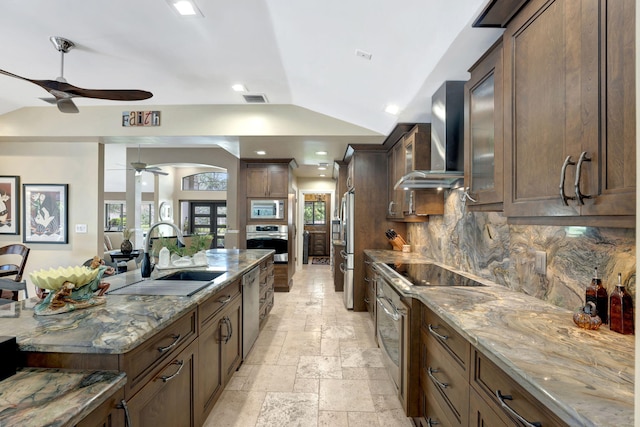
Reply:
x=392, y=332
x=270, y=236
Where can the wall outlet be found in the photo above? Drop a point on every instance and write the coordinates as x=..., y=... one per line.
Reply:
x=541, y=262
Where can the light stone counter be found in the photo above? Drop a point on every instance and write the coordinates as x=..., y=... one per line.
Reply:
x=35, y=397
x=125, y=321
x=585, y=377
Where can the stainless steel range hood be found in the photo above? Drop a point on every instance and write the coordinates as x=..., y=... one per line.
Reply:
x=447, y=142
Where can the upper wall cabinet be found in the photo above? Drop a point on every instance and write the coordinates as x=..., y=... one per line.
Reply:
x=412, y=152
x=483, y=122
x=569, y=122
x=267, y=180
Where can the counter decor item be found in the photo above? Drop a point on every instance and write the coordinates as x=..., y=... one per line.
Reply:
x=395, y=239
x=621, y=310
x=71, y=288
x=586, y=317
x=597, y=294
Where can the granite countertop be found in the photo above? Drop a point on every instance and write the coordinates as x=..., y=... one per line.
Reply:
x=54, y=397
x=585, y=377
x=125, y=321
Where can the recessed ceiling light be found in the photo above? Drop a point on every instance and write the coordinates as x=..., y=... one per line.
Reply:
x=322, y=175
x=261, y=153
x=322, y=168
x=185, y=7
x=321, y=153
x=392, y=109
x=239, y=88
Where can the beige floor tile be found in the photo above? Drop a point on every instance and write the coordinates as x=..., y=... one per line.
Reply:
x=386, y=402
x=394, y=418
x=345, y=395
x=271, y=378
x=332, y=419
x=289, y=409
x=361, y=358
x=363, y=419
x=365, y=373
x=306, y=385
x=329, y=347
x=236, y=408
x=271, y=338
x=263, y=355
x=382, y=387
x=319, y=367
x=339, y=332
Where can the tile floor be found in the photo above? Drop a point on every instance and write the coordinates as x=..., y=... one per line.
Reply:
x=314, y=364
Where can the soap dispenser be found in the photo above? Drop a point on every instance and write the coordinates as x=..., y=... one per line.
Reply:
x=621, y=310
x=597, y=294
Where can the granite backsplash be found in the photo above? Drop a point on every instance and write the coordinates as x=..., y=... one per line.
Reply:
x=484, y=244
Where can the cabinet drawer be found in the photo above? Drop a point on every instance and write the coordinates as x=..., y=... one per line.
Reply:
x=434, y=414
x=443, y=378
x=440, y=333
x=488, y=380
x=140, y=363
x=481, y=414
x=209, y=308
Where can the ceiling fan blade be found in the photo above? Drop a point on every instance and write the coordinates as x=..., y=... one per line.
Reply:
x=66, y=105
x=156, y=172
x=61, y=89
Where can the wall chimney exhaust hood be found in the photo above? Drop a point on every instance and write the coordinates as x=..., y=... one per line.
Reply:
x=447, y=142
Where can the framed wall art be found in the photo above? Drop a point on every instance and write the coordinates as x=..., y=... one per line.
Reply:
x=9, y=205
x=45, y=213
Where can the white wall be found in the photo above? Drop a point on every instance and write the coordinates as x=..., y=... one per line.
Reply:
x=77, y=164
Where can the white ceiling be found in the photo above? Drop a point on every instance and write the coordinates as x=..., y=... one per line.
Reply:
x=301, y=53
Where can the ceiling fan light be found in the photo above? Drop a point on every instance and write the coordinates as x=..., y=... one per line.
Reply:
x=186, y=7
x=239, y=88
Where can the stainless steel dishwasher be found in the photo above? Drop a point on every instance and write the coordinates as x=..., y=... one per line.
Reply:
x=250, y=309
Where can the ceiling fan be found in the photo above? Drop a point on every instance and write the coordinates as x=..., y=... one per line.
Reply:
x=64, y=93
x=140, y=167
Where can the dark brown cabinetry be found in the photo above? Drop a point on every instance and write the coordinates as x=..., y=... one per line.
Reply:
x=369, y=222
x=570, y=111
x=412, y=152
x=338, y=275
x=267, y=279
x=459, y=386
x=370, y=294
x=318, y=243
x=109, y=414
x=267, y=180
x=484, y=142
x=219, y=344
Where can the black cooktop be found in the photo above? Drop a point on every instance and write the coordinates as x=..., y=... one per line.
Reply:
x=432, y=275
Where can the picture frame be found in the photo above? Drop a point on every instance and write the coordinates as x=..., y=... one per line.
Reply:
x=9, y=205
x=45, y=210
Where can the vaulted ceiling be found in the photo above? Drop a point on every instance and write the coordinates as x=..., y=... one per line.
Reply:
x=309, y=54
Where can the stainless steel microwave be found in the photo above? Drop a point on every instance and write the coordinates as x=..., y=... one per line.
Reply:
x=267, y=209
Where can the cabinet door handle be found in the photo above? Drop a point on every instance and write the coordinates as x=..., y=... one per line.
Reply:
x=512, y=412
x=366, y=301
x=432, y=329
x=180, y=364
x=583, y=158
x=390, y=210
x=127, y=418
x=431, y=422
x=176, y=338
x=227, y=323
x=230, y=329
x=224, y=300
x=440, y=384
x=466, y=195
x=563, y=174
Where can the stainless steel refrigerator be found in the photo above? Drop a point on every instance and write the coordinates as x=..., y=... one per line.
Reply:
x=347, y=254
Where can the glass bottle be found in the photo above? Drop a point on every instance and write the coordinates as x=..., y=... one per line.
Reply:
x=597, y=294
x=621, y=310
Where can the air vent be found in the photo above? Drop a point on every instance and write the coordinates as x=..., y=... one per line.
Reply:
x=255, y=99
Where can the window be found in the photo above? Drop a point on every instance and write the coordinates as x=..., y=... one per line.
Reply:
x=314, y=213
x=205, y=181
x=146, y=216
x=115, y=216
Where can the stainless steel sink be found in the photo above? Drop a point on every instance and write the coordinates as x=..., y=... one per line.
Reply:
x=180, y=283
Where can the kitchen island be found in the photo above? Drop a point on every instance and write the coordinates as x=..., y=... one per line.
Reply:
x=583, y=377
x=151, y=338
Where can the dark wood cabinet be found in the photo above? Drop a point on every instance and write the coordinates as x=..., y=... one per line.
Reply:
x=371, y=292
x=484, y=141
x=109, y=414
x=169, y=399
x=267, y=180
x=370, y=222
x=318, y=243
x=569, y=122
x=267, y=280
x=412, y=152
x=219, y=345
x=481, y=414
x=338, y=274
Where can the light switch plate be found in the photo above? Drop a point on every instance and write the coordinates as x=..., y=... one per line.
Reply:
x=81, y=228
x=541, y=262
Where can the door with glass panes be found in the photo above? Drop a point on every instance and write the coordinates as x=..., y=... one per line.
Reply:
x=209, y=218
